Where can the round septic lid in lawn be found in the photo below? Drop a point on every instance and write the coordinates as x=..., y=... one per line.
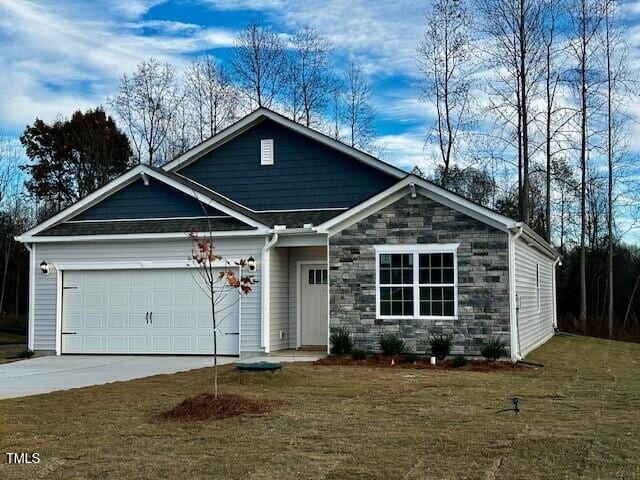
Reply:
x=259, y=366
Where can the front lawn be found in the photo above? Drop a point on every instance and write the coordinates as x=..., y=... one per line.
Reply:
x=580, y=418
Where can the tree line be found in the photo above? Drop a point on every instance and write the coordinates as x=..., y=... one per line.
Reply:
x=536, y=96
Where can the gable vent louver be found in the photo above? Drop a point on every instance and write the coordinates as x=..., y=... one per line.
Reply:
x=266, y=152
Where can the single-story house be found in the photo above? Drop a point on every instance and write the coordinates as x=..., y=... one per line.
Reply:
x=337, y=238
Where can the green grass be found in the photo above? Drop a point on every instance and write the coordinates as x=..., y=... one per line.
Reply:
x=580, y=419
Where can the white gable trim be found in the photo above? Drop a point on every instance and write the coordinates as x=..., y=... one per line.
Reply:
x=121, y=182
x=254, y=117
x=404, y=187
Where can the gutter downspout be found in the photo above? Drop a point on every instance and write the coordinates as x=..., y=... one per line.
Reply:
x=555, y=304
x=30, y=326
x=266, y=300
x=514, y=327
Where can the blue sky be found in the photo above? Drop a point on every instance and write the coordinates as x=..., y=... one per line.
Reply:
x=61, y=55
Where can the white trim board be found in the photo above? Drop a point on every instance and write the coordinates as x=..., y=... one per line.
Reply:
x=404, y=187
x=262, y=113
x=142, y=265
x=120, y=183
x=137, y=236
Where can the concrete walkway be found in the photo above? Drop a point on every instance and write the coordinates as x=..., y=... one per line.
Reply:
x=51, y=373
x=63, y=372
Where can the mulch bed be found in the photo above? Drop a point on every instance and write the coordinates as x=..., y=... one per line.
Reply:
x=377, y=360
x=206, y=407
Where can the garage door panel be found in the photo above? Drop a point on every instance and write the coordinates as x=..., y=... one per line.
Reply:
x=107, y=311
x=138, y=299
x=138, y=320
x=161, y=343
x=162, y=278
x=117, y=278
x=137, y=343
x=116, y=320
x=161, y=320
x=93, y=320
x=93, y=343
x=183, y=320
x=73, y=297
x=182, y=344
x=71, y=344
x=75, y=320
x=184, y=298
x=163, y=298
x=117, y=343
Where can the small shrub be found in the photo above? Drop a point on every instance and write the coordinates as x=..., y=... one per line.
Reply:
x=411, y=357
x=358, y=354
x=26, y=353
x=391, y=345
x=494, y=349
x=440, y=345
x=341, y=343
x=459, y=361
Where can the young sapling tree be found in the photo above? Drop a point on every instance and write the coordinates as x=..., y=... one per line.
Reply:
x=218, y=279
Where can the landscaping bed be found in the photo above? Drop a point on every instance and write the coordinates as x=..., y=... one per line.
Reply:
x=422, y=363
x=207, y=407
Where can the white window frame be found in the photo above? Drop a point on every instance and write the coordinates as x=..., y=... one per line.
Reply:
x=416, y=250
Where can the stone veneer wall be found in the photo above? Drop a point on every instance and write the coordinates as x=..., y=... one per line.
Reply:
x=483, y=270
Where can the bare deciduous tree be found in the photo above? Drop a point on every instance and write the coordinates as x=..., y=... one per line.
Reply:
x=310, y=79
x=444, y=58
x=260, y=64
x=619, y=91
x=515, y=53
x=145, y=103
x=586, y=18
x=358, y=111
x=211, y=96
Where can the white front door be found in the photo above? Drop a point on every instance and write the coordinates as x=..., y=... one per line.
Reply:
x=314, y=291
x=143, y=311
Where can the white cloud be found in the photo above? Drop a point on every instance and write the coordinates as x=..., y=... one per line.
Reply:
x=381, y=35
x=404, y=150
x=65, y=55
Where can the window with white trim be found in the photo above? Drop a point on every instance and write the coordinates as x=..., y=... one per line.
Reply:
x=416, y=281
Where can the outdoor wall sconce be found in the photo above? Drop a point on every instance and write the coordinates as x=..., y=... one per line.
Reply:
x=44, y=268
x=251, y=263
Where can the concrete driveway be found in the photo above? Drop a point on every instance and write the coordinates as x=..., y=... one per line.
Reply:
x=51, y=373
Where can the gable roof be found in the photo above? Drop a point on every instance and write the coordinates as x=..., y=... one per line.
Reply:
x=416, y=185
x=198, y=192
x=262, y=113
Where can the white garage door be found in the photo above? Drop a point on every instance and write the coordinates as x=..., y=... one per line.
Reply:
x=143, y=311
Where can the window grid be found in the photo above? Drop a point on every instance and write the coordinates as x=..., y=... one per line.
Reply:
x=437, y=284
x=396, y=275
x=422, y=293
x=318, y=276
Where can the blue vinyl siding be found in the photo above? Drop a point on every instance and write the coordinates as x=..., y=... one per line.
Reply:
x=157, y=200
x=306, y=174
